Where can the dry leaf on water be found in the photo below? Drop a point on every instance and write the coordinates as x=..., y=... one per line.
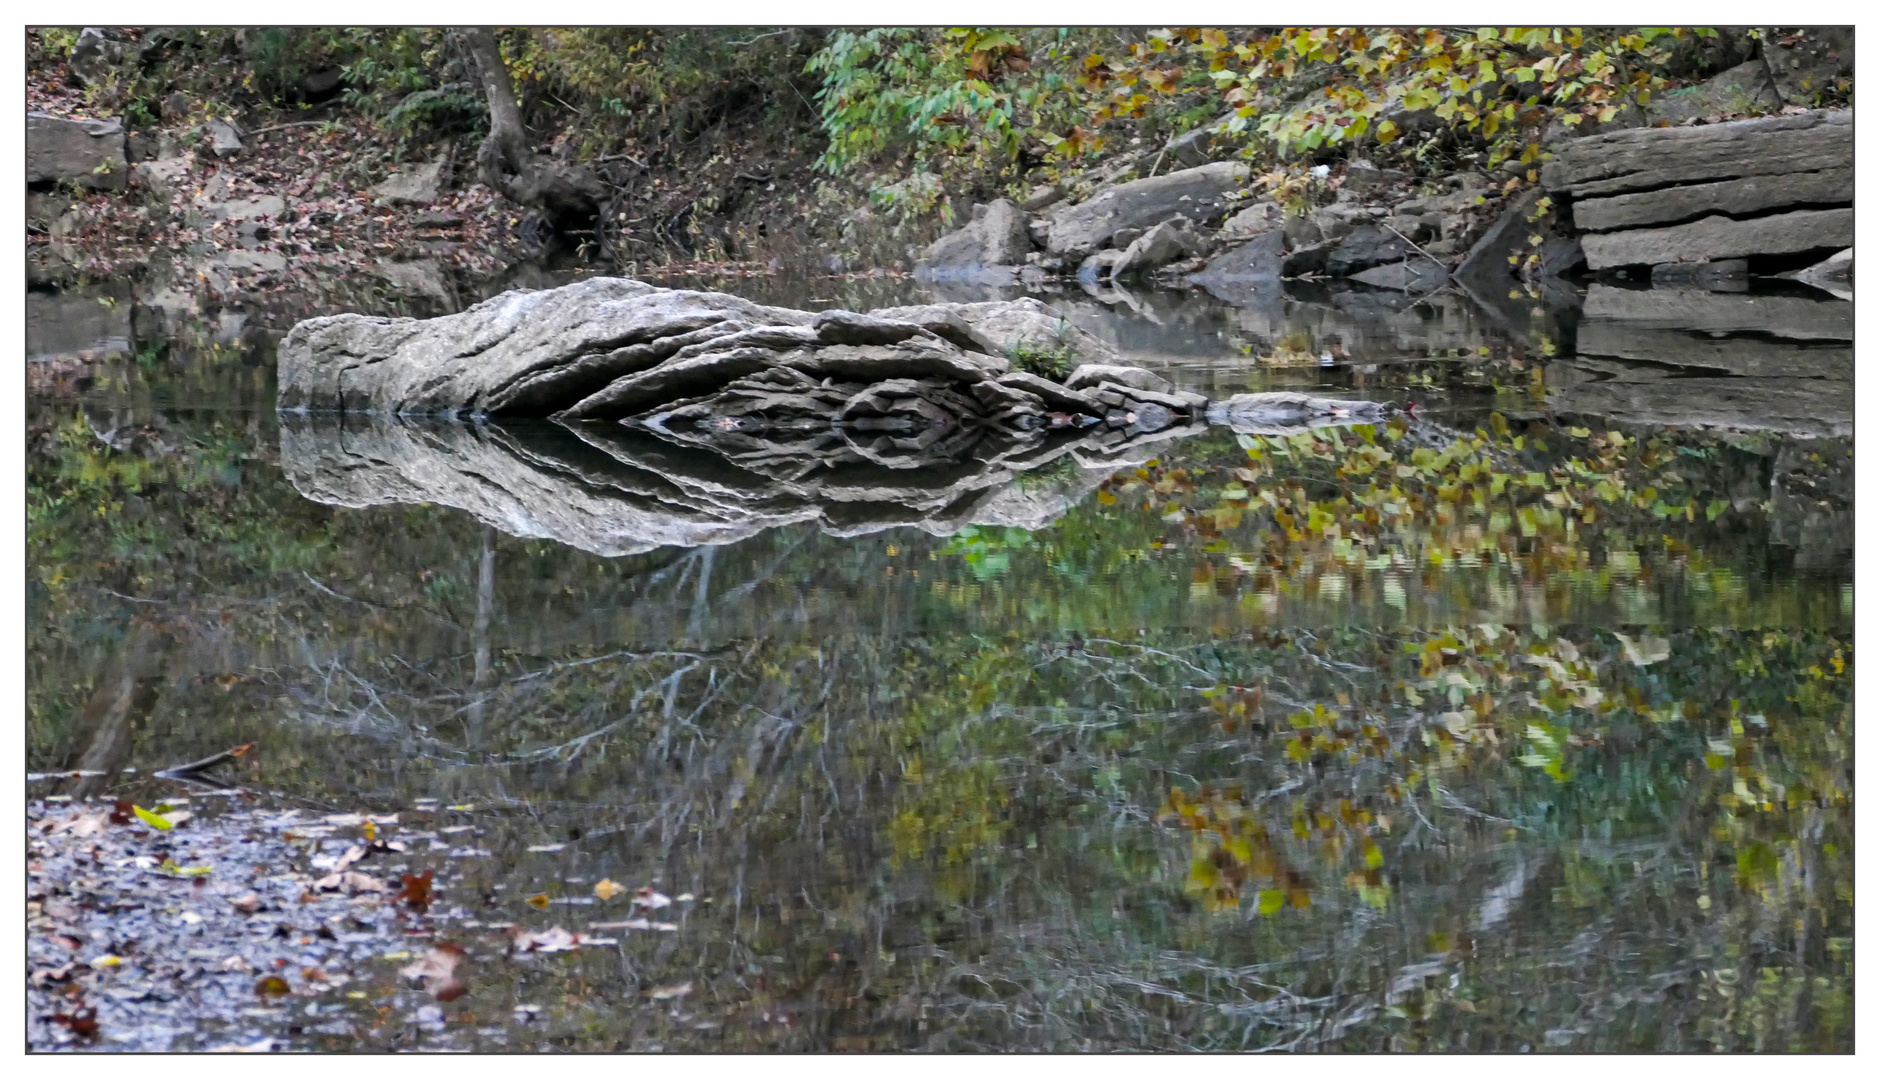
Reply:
x=352, y=882
x=650, y=899
x=667, y=993
x=1647, y=650
x=271, y=986
x=607, y=888
x=83, y=824
x=539, y=901
x=438, y=969
x=554, y=939
x=416, y=891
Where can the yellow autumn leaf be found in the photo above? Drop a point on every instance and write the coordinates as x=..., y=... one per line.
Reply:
x=155, y=821
x=607, y=888
x=539, y=901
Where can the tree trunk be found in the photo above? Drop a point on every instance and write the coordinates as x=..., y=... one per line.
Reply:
x=569, y=197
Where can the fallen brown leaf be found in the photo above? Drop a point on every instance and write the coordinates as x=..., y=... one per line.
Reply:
x=438, y=969
x=416, y=891
x=554, y=939
x=247, y=903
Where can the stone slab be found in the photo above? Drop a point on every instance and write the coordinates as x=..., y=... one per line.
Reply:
x=1641, y=159
x=90, y=153
x=1719, y=237
x=1744, y=196
x=1798, y=317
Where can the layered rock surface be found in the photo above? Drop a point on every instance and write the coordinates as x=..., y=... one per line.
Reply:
x=690, y=418
x=1705, y=359
x=616, y=489
x=900, y=381
x=1774, y=186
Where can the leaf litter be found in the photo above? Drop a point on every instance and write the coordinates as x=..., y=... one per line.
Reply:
x=248, y=929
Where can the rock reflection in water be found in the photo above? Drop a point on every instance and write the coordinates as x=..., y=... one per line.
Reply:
x=617, y=490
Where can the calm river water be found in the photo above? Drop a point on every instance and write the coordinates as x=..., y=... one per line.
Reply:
x=1520, y=723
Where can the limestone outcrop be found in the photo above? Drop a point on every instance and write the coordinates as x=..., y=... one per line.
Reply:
x=928, y=381
x=1775, y=186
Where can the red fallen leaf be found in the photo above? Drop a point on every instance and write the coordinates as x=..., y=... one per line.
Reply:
x=121, y=813
x=83, y=1022
x=438, y=969
x=417, y=890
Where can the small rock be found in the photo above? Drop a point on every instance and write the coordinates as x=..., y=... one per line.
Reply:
x=1121, y=374
x=1417, y=275
x=1417, y=228
x=1309, y=260
x=1259, y=259
x=1301, y=232
x=421, y=277
x=1042, y=196
x=162, y=178
x=1337, y=222
x=1362, y=177
x=1365, y=247
x=99, y=60
x=410, y=187
x=1164, y=244
x=227, y=138
x=1254, y=220
x=1203, y=195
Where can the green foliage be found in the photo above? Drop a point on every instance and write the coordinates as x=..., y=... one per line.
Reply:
x=1050, y=362
x=1300, y=91
x=954, y=96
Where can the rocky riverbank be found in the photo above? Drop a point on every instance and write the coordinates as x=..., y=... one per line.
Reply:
x=1698, y=206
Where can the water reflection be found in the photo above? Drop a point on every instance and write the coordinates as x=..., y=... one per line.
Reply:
x=1285, y=740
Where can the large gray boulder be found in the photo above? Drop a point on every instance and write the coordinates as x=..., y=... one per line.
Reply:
x=997, y=237
x=90, y=153
x=1203, y=195
x=918, y=383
